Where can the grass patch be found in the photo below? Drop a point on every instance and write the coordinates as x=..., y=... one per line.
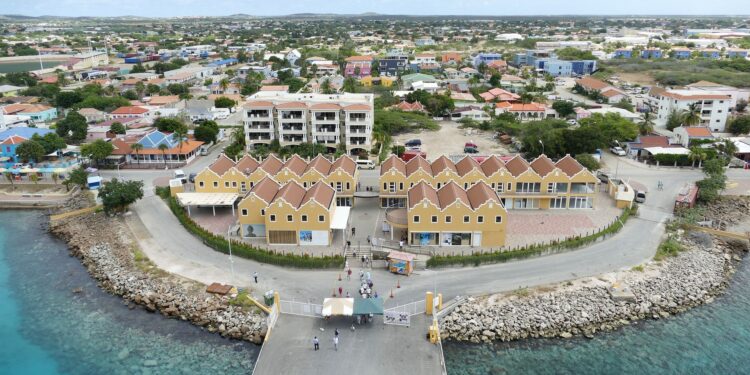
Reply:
x=242, y=249
x=667, y=249
x=242, y=300
x=529, y=251
x=522, y=292
x=144, y=264
x=638, y=268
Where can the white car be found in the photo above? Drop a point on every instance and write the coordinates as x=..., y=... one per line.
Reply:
x=617, y=151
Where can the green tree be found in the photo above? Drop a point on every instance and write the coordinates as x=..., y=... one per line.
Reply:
x=138, y=68
x=206, y=132
x=152, y=89
x=588, y=161
x=163, y=148
x=137, y=147
x=72, y=127
x=11, y=179
x=739, y=125
x=692, y=115
x=117, y=195
x=697, y=154
x=674, y=120
x=741, y=105
x=224, y=102
x=224, y=84
x=68, y=99
x=130, y=95
x=646, y=126
x=563, y=108
x=50, y=141
x=169, y=125
x=624, y=104
x=78, y=176
x=117, y=128
x=30, y=151
x=97, y=150
x=350, y=85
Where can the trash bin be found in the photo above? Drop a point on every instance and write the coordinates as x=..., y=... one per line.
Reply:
x=268, y=298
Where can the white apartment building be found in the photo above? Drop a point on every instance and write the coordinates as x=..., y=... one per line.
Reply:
x=714, y=106
x=310, y=118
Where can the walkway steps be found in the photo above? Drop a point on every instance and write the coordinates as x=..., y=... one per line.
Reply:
x=74, y=213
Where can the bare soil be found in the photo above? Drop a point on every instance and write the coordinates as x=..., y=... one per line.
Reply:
x=450, y=140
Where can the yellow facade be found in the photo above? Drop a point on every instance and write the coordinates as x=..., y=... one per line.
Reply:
x=306, y=218
x=367, y=81
x=487, y=224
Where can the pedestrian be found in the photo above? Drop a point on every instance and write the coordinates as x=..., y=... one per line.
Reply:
x=354, y=253
x=341, y=290
x=349, y=274
x=255, y=276
x=353, y=230
x=336, y=332
x=346, y=263
x=347, y=295
x=336, y=343
x=368, y=276
x=363, y=259
x=375, y=294
x=368, y=239
x=316, y=343
x=401, y=244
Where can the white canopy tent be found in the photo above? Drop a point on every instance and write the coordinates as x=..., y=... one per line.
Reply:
x=338, y=307
x=207, y=199
x=340, y=221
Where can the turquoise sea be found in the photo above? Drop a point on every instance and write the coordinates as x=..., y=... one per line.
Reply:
x=46, y=328
x=711, y=339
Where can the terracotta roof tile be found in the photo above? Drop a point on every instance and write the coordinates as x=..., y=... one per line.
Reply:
x=420, y=192
x=480, y=193
x=466, y=165
x=247, y=164
x=271, y=165
x=321, y=193
x=450, y=193
x=442, y=163
x=491, y=165
x=325, y=107
x=517, y=165
x=291, y=193
x=542, y=165
x=292, y=105
x=296, y=165
x=346, y=163
x=393, y=162
x=416, y=163
x=320, y=164
x=221, y=165
x=569, y=166
x=266, y=189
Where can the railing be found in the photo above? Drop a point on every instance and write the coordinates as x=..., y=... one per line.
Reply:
x=412, y=308
x=301, y=308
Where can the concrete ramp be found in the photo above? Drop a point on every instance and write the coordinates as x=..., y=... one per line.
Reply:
x=371, y=349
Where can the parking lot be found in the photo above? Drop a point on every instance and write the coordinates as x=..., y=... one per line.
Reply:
x=450, y=140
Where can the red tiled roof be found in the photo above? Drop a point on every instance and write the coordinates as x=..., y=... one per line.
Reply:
x=129, y=111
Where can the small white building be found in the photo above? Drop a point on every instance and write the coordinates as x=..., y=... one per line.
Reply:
x=714, y=106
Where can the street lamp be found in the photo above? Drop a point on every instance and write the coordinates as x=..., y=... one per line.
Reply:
x=542, y=143
x=229, y=241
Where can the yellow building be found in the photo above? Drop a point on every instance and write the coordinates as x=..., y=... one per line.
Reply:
x=288, y=214
x=224, y=175
x=369, y=81
x=453, y=216
x=540, y=184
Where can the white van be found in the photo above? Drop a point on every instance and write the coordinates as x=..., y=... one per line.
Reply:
x=179, y=174
x=365, y=164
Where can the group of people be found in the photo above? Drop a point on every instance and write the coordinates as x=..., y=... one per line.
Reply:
x=316, y=341
x=365, y=289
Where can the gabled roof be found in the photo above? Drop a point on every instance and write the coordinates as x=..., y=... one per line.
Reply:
x=291, y=193
x=346, y=163
x=416, y=163
x=491, y=165
x=480, y=194
x=542, y=165
x=321, y=193
x=320, y=164
x=296, y=165
x=155, y=138
x=450, y=193
x=393, y=162
x=420, y=192
x=698, y=131
x=590, y=83
x=466, y=165
x=271, y=165
x=13, y=140
x=221, y=165
x=569, y=166
x=517, y=165
x=266, y=189
x=442, y=163
x=247, y=164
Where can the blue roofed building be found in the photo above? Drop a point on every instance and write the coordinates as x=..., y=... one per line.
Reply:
x=711, y=53
x=651, y=53
x=681, y=53
x=623, y=53
x=485, y=58
x=23, y=132
x=223, y=63
x=737, y=53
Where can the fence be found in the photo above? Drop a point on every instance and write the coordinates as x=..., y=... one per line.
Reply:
x=412, y=308
x=301, y=308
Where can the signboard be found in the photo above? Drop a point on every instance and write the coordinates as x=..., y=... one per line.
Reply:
x=397, y=318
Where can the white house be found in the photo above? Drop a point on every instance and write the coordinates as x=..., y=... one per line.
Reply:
x=714, y=106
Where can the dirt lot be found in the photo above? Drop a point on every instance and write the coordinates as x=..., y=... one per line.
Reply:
x=642, y=79
x=449, y=140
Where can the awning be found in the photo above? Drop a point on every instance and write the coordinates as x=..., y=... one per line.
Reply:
x=338, y=307
x=340, y=217
x=667, y=150
x=207, y=199
x=365, y=306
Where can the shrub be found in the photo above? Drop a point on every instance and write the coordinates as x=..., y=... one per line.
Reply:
x=668, y=248
x=244, y=250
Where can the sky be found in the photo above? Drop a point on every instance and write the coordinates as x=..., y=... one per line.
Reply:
x=169, y=8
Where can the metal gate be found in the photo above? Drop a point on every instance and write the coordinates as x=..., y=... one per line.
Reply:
x=308, y=309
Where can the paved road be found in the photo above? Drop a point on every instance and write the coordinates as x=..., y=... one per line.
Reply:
x=172, y=248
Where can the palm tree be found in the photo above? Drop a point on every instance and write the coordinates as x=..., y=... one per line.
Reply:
x=647, y=125
x=697, y=153
x=223, y=85
x=163, y=148
x=728, y=148
x=136, y=147
x=55, y=177
x=692, y=115
x=180, y=141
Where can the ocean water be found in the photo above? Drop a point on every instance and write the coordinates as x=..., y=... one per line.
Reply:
x=46, y=328
x=711, y=339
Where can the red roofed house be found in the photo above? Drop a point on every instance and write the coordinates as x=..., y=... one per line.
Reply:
x=409, y=107
x=685, y=134
x=131, y=111
x=523, y=111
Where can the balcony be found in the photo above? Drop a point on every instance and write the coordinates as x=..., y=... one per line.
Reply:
x=258, y=114
x=359, y=119
x=327, y=140
x=292, y=139
x=259, y=137
x=291, y=116
x=331, y=117
x=357, y=130
x=297, y=128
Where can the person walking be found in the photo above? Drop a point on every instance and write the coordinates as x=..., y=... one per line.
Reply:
x=341, y=290
x=368, y=239
x=336, y=342
x=346, y=264
x=336, y=332
x=349, y=274
x=353, y=230
x=316, y=343
x=255, y=276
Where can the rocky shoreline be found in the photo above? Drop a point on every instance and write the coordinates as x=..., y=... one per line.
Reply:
x=107, y=250
x=586, y=306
